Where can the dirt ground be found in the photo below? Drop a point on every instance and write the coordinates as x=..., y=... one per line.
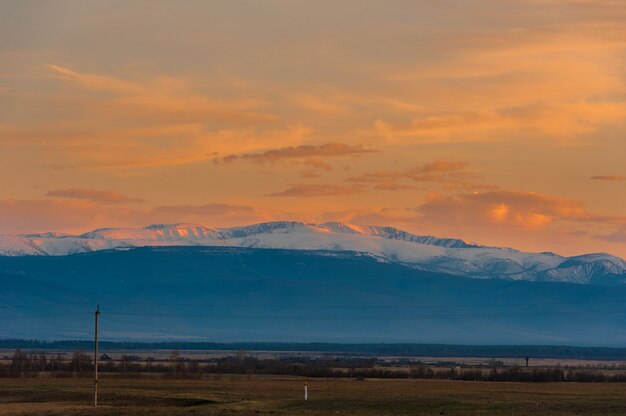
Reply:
x=254, y=395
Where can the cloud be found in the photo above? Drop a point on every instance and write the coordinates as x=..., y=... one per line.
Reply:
x=563, y=122
x=105, y=197
x=97, y=82
x=618, y=236
x=316, y=104
x=107, y=122
x=612, y=9
x=67, y=215
x=524, y=220
x=308, y=191
x=557, y=82
x=162, y=100
x=216, y=214
x=417, y=173
x=373, y=216
x=309, y=154
x=442, y=127
x=310, y=173
x=527, y=210
x=608, y=178
x=452, y=174
x=143, y=146
x=80, y=215
x=207, y=209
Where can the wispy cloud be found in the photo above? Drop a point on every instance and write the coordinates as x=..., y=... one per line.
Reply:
x=207, y=209
x=105, y=121
x=614, y=178
x=511, y=209
x=97, y=82
x=617, y=236
x=105, y=197
x=310, y=154
x=65, y=214
x=374, y=216
x=563, y=122
x=316, y=190
x=561, y=84
x=80, y=215
x=317, y=104
x=162, y=99
x=450, y=174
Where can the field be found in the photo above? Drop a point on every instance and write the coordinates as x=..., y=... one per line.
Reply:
x=254, y=395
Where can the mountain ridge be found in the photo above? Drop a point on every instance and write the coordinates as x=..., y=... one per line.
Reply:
x=445, y=255
x=237, y=294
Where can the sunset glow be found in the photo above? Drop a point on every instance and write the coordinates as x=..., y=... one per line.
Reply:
x=501, y=123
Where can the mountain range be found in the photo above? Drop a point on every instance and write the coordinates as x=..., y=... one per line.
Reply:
x=277, y=295
x=293, y=281
x=383, y=244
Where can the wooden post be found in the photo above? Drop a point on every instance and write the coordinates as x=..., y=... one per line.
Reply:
x=306, y=392
x=95, y=358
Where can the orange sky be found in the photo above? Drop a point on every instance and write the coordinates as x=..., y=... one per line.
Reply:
x=502, y=123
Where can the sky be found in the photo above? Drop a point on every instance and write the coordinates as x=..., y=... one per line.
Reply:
x=499, y=122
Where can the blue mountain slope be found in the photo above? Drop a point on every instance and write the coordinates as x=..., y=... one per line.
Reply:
x=230, y=294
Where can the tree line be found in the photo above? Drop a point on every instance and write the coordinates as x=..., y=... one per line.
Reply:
x=80, y=364
x=427, y=350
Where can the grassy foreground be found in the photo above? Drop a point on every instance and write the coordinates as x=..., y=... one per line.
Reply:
x=250, y=395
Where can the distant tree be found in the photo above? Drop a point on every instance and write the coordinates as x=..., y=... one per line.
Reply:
x=42, y=362
x=80, y=362
x=124, y=363
x=19, y=363
x=178, y=365
x=149, y=361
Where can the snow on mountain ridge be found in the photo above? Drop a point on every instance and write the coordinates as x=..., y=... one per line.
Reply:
x=159, y=232
x=264, y=227
x=45, y=235
x=396, y=234
x=347, y=228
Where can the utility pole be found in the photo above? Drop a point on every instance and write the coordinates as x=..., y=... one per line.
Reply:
x=95, y=358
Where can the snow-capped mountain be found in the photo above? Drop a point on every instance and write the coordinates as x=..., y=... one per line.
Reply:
x=452, y=256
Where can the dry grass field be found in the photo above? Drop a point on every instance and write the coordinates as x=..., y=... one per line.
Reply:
x=254, y=395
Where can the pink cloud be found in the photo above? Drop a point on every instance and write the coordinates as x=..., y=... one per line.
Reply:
x=308, y=191
x=310, y=153
x=105, y=197
x=608, y=178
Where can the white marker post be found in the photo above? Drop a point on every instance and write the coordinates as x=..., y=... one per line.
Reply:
x=306, y=392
